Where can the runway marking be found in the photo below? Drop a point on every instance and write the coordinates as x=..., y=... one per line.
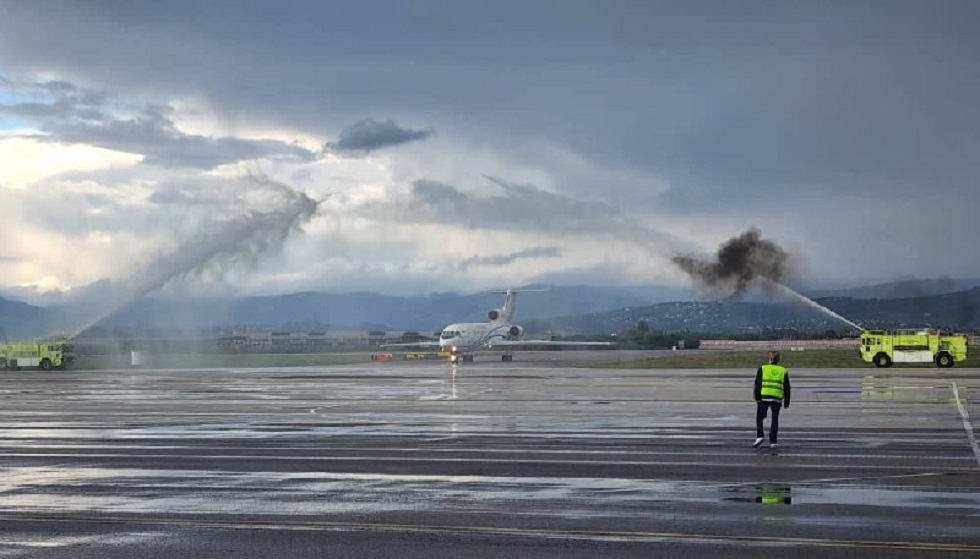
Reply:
x=826, y=480
x=679, y=537
x=967, y=424
x=439, y=453
x=371, y=458
x=28, y=543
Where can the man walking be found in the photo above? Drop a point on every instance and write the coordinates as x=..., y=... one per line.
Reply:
x=771, y=392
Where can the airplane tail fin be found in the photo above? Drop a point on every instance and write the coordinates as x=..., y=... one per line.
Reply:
x=505, y=313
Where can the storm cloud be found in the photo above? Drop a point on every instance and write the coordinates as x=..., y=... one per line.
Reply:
x=67, y=113
x=846, y=129
x=369, y=135
x=507, y=206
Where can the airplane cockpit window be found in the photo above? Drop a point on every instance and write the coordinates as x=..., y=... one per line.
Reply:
x=449, y=334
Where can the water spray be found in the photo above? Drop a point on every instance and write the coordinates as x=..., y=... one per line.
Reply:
x=241, y=240
x=746, y=260
x=793, y=295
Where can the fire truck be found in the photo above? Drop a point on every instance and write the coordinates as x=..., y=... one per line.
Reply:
x=883, y=347
x=47, y=354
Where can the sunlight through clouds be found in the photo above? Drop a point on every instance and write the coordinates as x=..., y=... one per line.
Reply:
x=605, y=139
x=27, y=161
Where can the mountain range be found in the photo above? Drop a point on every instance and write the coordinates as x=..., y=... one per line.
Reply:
x=958, y=311
x=564, y=310
x=903, y=289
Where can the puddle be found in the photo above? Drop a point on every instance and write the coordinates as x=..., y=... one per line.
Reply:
x=765, y=494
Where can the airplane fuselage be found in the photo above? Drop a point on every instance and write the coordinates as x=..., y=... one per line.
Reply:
x=465, y=337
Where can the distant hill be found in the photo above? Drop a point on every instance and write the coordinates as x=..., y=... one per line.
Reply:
x=959, y=310
x=326, y=311
x=900, y=289
x=950, y=311
x=19, y=319
x=711, y=317
x=562, y=310
x=374, y=311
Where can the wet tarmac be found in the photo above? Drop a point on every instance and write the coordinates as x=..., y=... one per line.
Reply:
x=540, y=457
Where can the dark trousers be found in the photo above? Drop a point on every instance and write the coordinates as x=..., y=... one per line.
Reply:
x=760, y=415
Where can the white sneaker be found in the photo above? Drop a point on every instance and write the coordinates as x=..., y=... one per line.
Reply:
x=774, y=446
x=757, y=443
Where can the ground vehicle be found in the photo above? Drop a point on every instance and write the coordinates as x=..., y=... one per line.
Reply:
x=883, y=347
x=45, y=354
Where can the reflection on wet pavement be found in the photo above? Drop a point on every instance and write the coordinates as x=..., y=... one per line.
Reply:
x=494, y=444
x=160, y=491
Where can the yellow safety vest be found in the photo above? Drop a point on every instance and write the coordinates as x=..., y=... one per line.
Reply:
x=772, y=381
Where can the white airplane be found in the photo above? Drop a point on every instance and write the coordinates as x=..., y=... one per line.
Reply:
x=464, y=339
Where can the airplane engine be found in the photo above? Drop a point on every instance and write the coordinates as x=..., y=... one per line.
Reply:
x=494, y=314
x=515, y=331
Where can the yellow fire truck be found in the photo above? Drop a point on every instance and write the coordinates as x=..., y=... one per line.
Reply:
x=883, y=347
x=48, y=354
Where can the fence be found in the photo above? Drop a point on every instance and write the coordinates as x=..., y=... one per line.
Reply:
x=785, y=345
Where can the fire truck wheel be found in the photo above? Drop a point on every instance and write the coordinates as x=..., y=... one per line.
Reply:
x=46, y=364
x=944, y=360
x=882, y=360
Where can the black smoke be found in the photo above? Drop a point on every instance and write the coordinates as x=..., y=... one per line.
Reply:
x=739, y=262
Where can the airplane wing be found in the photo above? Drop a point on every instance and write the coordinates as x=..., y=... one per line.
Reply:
x=551, y=343
x=421, y=343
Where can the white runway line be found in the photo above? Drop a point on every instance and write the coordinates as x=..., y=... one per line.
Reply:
x=967, y=424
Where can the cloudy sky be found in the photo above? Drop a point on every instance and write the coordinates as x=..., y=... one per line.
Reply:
x=469, y=145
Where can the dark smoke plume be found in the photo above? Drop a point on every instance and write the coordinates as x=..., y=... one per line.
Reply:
x=739, y=262
x=748, y=259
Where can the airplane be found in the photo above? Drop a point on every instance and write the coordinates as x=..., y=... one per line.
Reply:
x=463, y=339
